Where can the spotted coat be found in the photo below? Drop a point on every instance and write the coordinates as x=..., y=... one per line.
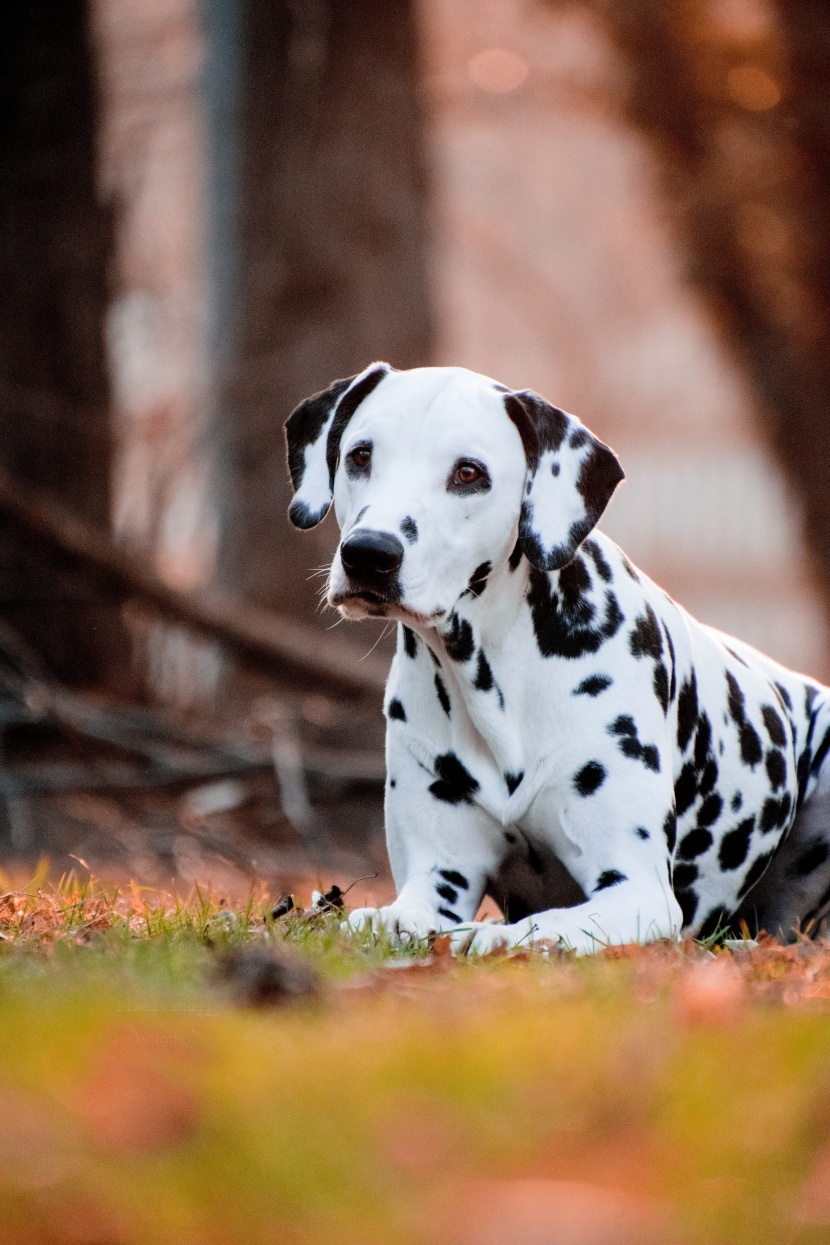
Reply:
x=561, y=733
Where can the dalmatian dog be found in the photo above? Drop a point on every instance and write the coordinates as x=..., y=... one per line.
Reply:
x=561, y=735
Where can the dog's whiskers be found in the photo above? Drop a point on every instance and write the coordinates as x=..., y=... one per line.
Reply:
x=383, y=633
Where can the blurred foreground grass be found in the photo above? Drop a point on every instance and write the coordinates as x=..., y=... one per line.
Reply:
x=647, y=1095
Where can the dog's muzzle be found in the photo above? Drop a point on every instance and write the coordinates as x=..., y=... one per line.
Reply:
x=372, y=561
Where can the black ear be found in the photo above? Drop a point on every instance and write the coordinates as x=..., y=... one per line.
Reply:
x=570, y=480
x=313, y=433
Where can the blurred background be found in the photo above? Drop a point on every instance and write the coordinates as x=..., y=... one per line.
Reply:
x=210, y=209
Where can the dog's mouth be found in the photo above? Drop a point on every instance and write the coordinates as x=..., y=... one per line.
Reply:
x=377, y=605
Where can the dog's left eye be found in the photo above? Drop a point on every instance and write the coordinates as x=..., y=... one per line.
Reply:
x=360, y=457
x=467, y=473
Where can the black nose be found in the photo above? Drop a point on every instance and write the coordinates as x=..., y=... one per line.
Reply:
x=368, y=554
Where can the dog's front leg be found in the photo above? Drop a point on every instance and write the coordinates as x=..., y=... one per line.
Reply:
x=442, y=848
x=616, y=842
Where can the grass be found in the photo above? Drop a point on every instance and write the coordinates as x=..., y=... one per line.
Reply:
x=671, y=1094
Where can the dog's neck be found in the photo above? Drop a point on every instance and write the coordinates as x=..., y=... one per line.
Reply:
x=483, y=619
x=479, y=649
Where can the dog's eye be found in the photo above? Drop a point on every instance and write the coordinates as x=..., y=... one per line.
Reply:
x=360, y=457
x=467, y=473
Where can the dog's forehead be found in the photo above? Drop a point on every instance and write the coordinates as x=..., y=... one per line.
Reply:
x=434, y=400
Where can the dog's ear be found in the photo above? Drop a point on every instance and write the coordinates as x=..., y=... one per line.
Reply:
x=313, y=433
x=571, y=477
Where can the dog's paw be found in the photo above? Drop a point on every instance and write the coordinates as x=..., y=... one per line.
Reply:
x=483, y=937
x=401, y=921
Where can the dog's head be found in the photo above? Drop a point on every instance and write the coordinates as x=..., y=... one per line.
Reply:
x=435, y=473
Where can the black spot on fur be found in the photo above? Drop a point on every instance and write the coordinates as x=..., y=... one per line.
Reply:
x=660, y=684
x=484, y=675
x=597, y=557
x=451, y=916
x=410, y=641
x=442, y=694
x=455, y=784
x=345, y=410
x=436, y=660
x=359, y=516
x=478, y=579
x=540, y=425
x=737, y=801
x=565, y=621
x=302, y=516
x=645, y=639
x=735, y=699
x=455, y=878
x=776, y=768
x=630, y=568
x=775, y=813
x=673, y=664
x=642, y=833
x=590, y=778
x=610, y=877
x=703, y=742
x=393, y=782
x=687, y=711
x=684, y=875
x=755, y=873
x=599, y=475
x=750, y=740
x=515, y=557
x=734, y=846
x=593, y=685
x=688, y=901
x=409, y=529
x=459, y=638
x=811, y=859
x=396, y=710
x=820, y=754
x=512, y=781
x=709, y=776
x=305, y=424
x=670, y=829
x=732, y=653
x=710, y=810
x=630, y=744
x=805, y=755
x=555, y=469
x=685, y=789
x=774, y=725
x=694, y=844
x=447, y=892
x=751, y=750
x=785, y=696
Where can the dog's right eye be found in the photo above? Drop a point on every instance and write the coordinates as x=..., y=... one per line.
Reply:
x=360, y=457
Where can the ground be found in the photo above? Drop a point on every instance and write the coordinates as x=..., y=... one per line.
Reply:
x=179, y=1070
